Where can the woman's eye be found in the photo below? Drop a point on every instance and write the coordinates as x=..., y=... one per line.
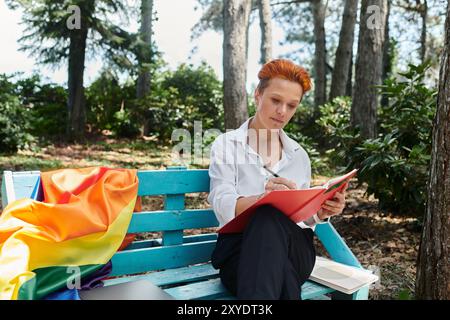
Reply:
x=292, y=106
x=275, y=100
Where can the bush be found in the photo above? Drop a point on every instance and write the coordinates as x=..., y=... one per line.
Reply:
x=109, y=106
x=395, y=164
x=48, y=105
x=340, y=138
x=124, y=125
x=14, y=119
x=199, y=95
x=411, y=108
x=179, y=98
x=396, y=176
x=318, y=164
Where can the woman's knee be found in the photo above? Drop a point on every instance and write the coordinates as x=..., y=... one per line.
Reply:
x=268, y=218
x=265, y=214
x=269, y=213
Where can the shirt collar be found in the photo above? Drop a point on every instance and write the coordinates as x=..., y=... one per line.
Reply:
x=289, y=145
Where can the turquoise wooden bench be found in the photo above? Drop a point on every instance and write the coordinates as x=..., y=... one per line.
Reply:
x=178, y=263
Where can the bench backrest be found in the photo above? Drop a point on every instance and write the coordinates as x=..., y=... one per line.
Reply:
x=174, y=249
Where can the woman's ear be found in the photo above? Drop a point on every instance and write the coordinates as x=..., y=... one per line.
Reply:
x=257, y=97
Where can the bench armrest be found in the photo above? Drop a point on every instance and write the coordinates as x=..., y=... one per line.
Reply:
x=335, y=245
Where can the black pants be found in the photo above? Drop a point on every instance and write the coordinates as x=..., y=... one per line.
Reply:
x=270, y=260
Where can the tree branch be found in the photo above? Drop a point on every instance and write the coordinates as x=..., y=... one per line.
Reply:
x=291, y=2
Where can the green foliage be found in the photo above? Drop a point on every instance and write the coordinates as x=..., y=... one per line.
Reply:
x=411, y=108
x=47, y=19
x=179, y=98
x=124, y=125
x=338, y=136
x=398, y=181
x=104, y=100
x=405, y=294
x=14, y=119
x=395, y=164
x=318, y=163
x=176, y=99
x=47, y=103
x=199, y=94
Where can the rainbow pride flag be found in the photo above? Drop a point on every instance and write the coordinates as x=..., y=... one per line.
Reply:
x=79, y=226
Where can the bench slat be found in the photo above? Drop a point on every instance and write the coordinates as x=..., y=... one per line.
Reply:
x=172, y=276
x=173, y=202
x=158, y=258
x=204, y=290
x=158, y=242
x=160, y=182
x=172, y=220
x=311, y=289
x=213, y=289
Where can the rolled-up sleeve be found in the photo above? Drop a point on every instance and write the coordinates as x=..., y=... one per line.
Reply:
x=223, y=193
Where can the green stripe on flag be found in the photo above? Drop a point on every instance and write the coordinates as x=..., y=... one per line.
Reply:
x=51, y=279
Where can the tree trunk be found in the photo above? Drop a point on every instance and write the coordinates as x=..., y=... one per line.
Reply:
x=369, y=65
x=433, y=263
x=344, y=50
x=145, y=55
x=387, y=58
x=423, y=36
x=76, y=103
x=235, y=21
x=265, y=22
x=349, y=86
x=320, y=63
x=143, y=82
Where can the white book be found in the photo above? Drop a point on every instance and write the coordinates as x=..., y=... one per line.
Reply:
x=341, y=277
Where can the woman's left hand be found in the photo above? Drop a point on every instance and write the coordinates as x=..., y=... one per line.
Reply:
x=333, y=207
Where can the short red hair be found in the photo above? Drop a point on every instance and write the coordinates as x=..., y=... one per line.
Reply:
x=284, y=69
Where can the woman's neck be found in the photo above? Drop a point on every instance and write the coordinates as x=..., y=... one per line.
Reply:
x=263, y=133
x=267, y=143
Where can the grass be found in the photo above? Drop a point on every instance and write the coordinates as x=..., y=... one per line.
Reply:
x=21, y=162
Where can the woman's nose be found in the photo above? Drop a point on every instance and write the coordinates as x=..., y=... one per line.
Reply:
x=281, y=110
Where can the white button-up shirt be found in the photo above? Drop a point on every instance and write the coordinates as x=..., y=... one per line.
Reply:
x=236, y=170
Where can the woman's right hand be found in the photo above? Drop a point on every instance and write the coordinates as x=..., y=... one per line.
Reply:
x=279, y=183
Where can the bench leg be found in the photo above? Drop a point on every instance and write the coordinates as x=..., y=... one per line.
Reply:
x=361, y=294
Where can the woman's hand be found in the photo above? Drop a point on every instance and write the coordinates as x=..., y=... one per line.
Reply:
x=333, y=207
x=273, y=184
x=280, y=184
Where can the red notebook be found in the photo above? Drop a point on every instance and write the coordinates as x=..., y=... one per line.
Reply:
x=298, y=205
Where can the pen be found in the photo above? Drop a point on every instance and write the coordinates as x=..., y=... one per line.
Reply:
x=270, y=171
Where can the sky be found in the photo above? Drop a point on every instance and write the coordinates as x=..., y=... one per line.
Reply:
x=172, y=32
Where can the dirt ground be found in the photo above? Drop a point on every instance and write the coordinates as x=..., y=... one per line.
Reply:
x=382, y=242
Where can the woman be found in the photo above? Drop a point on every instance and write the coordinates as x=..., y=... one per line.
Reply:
x=273, y=256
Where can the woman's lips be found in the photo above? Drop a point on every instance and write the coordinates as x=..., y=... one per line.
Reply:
x=276, y=120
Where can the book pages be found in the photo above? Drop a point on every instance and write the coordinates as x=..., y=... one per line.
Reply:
x=341, y=277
